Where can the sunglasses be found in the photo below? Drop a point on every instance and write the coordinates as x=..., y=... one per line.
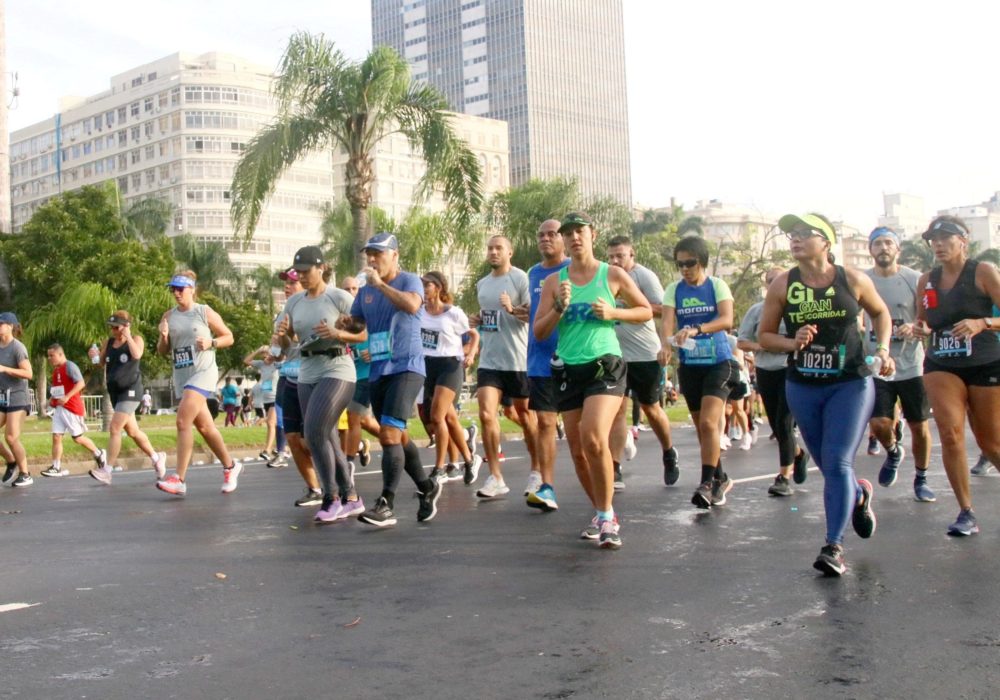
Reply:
x=684, y=264
x=178, y=289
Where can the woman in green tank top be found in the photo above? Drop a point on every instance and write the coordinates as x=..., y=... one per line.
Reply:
x=588, y=373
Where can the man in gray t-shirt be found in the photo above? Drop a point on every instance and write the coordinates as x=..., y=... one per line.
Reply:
x=897, y=285
x=640, y=344
x=502, y=321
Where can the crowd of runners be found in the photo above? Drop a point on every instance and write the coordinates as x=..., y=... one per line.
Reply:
x=826, y=356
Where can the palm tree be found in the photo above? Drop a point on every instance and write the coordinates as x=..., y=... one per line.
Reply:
x=691, y=225
x=326, y=100
x=210, y=261
x=915, y=253
x=148, y=219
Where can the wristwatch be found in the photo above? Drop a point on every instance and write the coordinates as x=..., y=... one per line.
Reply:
x=989, y=323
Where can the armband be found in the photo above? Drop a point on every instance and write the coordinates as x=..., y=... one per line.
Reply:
x=881, y=346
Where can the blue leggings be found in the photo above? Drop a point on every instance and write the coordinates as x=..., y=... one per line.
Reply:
x=833, y=419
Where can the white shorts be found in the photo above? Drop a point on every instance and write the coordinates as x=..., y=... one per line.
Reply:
x=64, y=421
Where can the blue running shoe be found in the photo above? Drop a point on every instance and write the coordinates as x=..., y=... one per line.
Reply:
x=965, y=525
x=544, y=498
x=921, y=491
x=893, y=458
x=863, y=517
x=982, y=467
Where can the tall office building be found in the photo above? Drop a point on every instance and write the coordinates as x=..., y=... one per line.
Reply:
x=554, y=70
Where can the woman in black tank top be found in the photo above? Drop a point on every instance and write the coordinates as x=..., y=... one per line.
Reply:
x=962, y=364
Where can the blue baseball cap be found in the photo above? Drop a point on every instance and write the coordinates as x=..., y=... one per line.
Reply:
x=382, y=241
x=181, y=281
x=8, y=317
x=882, y=232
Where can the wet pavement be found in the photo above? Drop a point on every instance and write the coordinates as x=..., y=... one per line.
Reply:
x=137, y=594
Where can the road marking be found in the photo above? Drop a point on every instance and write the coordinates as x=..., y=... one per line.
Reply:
x=8, y=607
x=763, y=477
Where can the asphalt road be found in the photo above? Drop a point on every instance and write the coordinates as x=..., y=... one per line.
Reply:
x=492, y=599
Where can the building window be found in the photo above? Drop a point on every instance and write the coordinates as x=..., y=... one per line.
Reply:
x=147, y=104
x=134, y=109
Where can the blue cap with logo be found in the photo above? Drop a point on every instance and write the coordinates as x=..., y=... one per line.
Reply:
x=181, y=281
x=382, y=240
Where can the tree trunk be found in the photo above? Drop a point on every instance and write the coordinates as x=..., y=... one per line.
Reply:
x=41, y=386
x=359, y=215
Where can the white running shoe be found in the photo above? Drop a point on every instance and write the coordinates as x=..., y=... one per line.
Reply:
x=534, y=482
x=724, y=443
x=160, y=465
x=746, y=441
x=492, y=488
x=231, y=477
x=630, y=448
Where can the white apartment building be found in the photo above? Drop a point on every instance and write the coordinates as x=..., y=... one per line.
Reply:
x=174, y=129
x=983, y=221
x=904, y=214
x=728, y=224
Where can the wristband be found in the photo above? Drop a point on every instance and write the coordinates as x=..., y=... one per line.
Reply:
x=881, y=346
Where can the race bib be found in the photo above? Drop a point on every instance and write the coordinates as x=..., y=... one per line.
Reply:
x=184, y=357
x=489, y=320
x=945, y=344
x=703, y=353
x=4, y=398
x=821, y=362
x=57, y=392
x=429, y=338
x=380, y=346
x=894, y=337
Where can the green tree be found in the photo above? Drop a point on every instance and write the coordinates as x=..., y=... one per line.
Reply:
x=210, y=261
x=148, y=219
x=250, y=326
x=915, y=253
x=326, y=100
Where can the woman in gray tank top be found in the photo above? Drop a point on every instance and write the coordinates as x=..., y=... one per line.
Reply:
x=15, y=372
x=190, y=333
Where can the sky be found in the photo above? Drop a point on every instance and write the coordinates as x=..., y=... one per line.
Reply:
x=779, y=105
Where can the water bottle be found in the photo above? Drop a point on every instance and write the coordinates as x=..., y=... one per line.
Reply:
x=874, y=365
x=95, y=354
x=688, y=344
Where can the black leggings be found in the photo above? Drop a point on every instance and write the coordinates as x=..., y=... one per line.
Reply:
x=771, y=387
x=321, y=404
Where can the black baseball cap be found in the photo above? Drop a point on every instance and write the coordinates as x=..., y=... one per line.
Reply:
x=307, y=257
x=574, y=219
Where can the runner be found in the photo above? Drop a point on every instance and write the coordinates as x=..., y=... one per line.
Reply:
x=120, y=354
x=66, y=389
x=230, y=402
x=190, y=333
x=268, y=382
x=502, y=322
x=387, y=307
x=640, y=345
x=793, y=461
x=897, y=285
x=697, y=312
x=317, y=317
x=826, y=392
x=587, y=370
x=147, y=404
x=15, y=372
x=542, y=399
x=443, y=327
x=962, y=366
x=359, y=410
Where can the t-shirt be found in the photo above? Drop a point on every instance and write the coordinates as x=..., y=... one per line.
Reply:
x=899, y=293
x=230, y=395
x=393, y=335
x=13, y=390
x=64, y=378
x=696, y=306
x=749, y=328
x=540, y=352
x=441, y=334
x=503, y=338
x=268, y=380
x=258, y=395
x=639, y=341
x=304, y=314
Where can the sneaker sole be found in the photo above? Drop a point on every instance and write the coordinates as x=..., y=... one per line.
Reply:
x=434, y=508
x=610, y=544
x=377, y=523
x=172, y=493
x=541, y=505
x=701, y=502
x=488, y=497
x=99, y=479
x=828, y=568
x=959, y=533
x=863, y=514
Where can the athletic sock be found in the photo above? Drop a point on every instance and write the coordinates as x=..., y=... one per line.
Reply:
x=606, y=514
x=707, y=472
x=57, y=463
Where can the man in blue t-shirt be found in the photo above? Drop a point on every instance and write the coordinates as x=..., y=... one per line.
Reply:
x=541, y=397
x=387, y=307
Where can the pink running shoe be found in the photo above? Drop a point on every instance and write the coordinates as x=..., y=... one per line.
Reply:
x=172, y=485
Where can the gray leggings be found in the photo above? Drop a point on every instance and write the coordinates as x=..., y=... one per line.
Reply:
x=321, y=405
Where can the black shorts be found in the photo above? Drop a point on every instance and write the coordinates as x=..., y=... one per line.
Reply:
x=513, y=385
x=642, y=379
x=394, y=396
x=361, y=402
x=698, y=381
x=15, y=409
x=442, y=371
x=575, y=383
x=268, y=406
x=542, y=395
x=258, y=411
x=291, y=412
x=909, y=392
x=980, y=375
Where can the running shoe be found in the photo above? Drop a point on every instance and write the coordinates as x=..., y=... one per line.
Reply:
x=52, y=471
x=160, y=464
x=609, y=537
x=231, y=477
x=746, y=441
x=329, y=512
x=438, y=474
x=544, y=499
x=428, y=503
x=630, y=448
x=800, y=467
x=619, y=482
x=172, y=485
x=534, y=481
x=642, y=428
x=670, y=470
x=23, y=479
x=501, y=457
x=592, y=531
x=921, y=491
x=898, y=430
x=981, y=468
x=893, y=458
x=470, y=440
x=365, y=453
x=560, y=430
x=278, y=462
x=266, y=456
x=754, y=435
x=634, y=431
x=703, y=495
x=309, y=498
x=724, y=443
x=720, y=489
x=831, y=560
x=874, y=448
x=470, y=472
x=380, y=515
x=452, y=472
x=10, y=474
x=863, y=517
x=101, y=459
x=780, y=487
x=102, y=475
x=965, y=525
x=351, y=509
x=431, y=440
x=492, y=488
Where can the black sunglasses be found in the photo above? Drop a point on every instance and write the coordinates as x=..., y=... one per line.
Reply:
x=685, y=263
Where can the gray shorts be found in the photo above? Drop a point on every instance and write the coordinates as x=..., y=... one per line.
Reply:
x=129, y=407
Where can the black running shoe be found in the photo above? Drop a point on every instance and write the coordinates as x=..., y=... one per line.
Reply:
x=671, y=472
x=428, y=502
x=863, y=517
x=800, y=467
x=10, y=474
x=23, y=480
x=703, y=495
x=831, y=560
x=472, y=432
x=380, y=515
x=619, y=480
x=780, y=487
x=365, y=453
x=310, y=498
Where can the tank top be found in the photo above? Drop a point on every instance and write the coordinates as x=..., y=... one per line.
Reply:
x=192, y=367
x=945, y=308
x=122, y=371
x=836, y=353
x=62, y=384
x=695, y=306
x=582, y=336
